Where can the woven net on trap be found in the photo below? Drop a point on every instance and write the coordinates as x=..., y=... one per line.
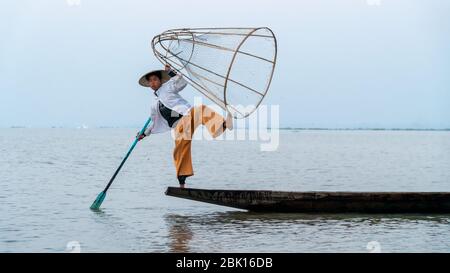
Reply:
x=231, y=66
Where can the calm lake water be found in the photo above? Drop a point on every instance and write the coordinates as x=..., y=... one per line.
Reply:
x=50, y=177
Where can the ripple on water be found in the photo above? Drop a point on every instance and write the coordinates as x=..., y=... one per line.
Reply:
x=46, y=199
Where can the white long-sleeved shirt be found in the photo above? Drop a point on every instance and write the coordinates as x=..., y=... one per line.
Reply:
x=168, y=95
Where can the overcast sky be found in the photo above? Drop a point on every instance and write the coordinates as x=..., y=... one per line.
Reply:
x=348, y=63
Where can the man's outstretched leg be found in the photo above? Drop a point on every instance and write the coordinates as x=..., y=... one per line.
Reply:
x=213, y=121
x=200, y=115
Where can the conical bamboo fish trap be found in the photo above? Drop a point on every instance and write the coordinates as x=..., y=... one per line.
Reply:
x=233, y=67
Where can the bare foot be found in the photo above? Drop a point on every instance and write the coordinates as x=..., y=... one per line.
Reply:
x=181, y=186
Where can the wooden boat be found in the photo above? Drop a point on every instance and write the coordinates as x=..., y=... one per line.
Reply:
x=320, y=202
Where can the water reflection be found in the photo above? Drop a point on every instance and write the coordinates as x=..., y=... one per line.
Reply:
x=246, y=231
x=180, y=234
x=243, y=218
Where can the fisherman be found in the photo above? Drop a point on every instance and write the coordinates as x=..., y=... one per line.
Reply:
x=171, y=111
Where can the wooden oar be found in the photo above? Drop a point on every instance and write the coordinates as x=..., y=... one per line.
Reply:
x=99, y=200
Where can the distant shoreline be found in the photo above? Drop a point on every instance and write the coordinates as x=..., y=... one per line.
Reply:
x=282, y=129
x=364, y=129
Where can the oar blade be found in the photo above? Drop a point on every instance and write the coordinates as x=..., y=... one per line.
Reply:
x=98, y=201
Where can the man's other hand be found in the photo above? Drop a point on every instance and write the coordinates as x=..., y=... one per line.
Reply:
x=140, y=136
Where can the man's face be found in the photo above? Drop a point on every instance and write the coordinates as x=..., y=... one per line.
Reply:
x=154, y=82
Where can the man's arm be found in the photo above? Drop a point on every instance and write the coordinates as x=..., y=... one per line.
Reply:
x=146, y=133
x=177, y=82
x=149, y=129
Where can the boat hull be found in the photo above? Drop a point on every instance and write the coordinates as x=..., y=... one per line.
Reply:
x=320, y=202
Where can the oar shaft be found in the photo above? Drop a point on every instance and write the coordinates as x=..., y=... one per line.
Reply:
x=126, y=156
x=120, y=166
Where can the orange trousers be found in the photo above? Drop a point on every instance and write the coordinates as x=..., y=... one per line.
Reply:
x=184, y=130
